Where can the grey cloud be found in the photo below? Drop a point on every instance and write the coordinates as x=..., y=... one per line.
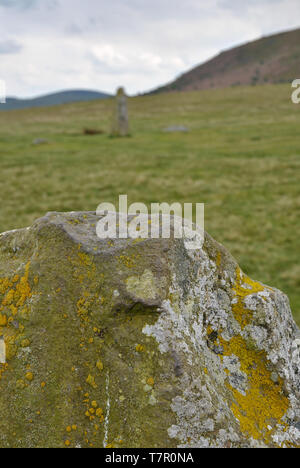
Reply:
x=10, y=47
x=29, y=4
x=21, y=4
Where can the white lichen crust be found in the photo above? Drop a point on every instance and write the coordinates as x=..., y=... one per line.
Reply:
x=237, y=353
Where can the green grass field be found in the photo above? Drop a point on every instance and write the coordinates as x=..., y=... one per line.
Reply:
x=241, y=158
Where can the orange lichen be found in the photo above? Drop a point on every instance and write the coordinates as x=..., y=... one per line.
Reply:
x=244, y=286
x=139, y=348
x=218, y=259
x=91, y=381
x=264, y=404
x=99, y=366
x=3, y=320
x=23, y=290
x=100, y=415
x=15, y=292
x=29, y=376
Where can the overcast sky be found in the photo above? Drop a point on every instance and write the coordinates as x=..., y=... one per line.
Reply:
x=49, y=45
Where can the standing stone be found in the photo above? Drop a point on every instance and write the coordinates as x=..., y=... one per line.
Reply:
x=120, y=126
x=118, y=343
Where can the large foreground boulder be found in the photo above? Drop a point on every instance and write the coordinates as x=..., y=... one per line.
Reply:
x=140, y=343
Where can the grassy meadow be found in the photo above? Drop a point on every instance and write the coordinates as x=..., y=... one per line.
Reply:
x=241, y=158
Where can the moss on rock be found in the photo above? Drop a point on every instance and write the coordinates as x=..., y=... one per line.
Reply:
x=139, y=344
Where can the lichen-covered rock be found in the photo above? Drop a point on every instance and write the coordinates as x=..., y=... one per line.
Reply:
x=120, y=126
x=140, y=343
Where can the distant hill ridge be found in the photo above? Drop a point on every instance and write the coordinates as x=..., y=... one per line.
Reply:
x=272, y=59
x=54, y=99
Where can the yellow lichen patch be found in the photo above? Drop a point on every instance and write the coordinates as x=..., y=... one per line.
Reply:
x=13, y=309
x=67, y=443
x=23, y=290
x=9, y=298
x=264, y=404
x=29, y=376
x=218, y=259
x=3, y=320
x=15, y=293
x=83, y=306
x=25, y=343
x=244, y=286
x=5, y=284
x=150, y=381
x=100, y=415
x=85, y=260
x=99, y=366
x=128, y=261
x=91, y=381
x=139, y=348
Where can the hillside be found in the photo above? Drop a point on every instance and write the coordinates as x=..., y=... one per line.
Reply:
x=272, y=59
x=54, y=99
